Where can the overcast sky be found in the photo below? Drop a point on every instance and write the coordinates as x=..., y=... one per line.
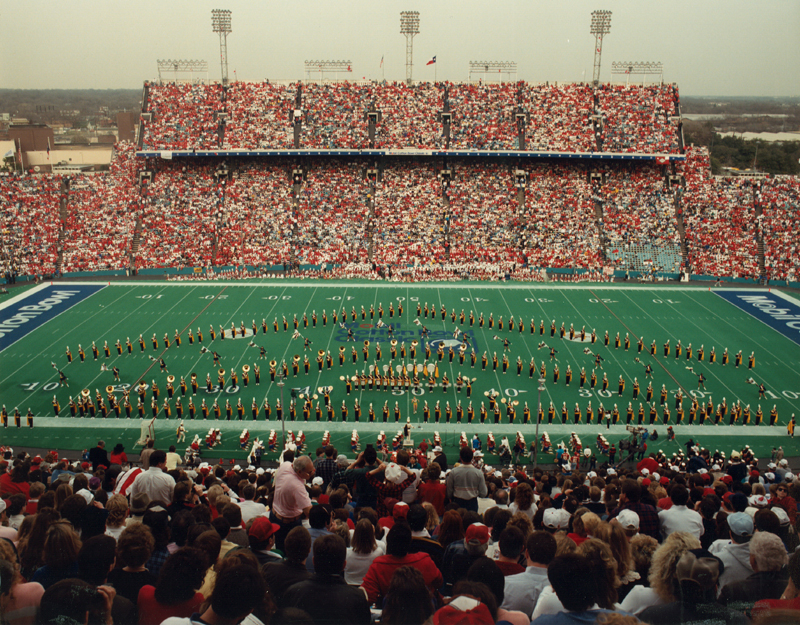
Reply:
x=709, y=47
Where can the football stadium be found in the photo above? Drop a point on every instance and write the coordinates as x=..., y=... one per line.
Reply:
x=540, y=281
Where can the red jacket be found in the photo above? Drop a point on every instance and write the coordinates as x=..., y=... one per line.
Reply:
x=379, y=576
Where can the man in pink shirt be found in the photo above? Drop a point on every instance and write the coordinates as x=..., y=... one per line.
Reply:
x=291, y=503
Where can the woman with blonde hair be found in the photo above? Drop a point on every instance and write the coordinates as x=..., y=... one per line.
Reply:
x=61, y=548
x=432, y=524
x=117, y=508
x=663, y=583
x=362, y=551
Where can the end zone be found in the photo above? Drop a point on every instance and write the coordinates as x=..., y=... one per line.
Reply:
x=773, y=309
x=20, y=317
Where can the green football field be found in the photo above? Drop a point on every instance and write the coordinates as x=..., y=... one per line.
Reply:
x=691, y=315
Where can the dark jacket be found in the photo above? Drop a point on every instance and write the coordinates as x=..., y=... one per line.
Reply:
x=329, y=600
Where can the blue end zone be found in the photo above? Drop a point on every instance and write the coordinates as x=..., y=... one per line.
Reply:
x=779, y=314
x=20, y=318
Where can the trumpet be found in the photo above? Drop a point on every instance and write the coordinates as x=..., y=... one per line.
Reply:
x=245, y=368
x=109, y=389
x=170, y=379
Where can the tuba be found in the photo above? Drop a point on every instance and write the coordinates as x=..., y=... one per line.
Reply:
x=194, y=377
x=170, y=379
x=366, y=343
x=86, y=392
x=110, y=389
x=245, y=368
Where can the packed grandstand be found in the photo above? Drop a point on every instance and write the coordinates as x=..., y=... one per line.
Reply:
x=424, y=190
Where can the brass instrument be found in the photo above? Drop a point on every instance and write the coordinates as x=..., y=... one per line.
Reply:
x=296, y=358
x=341, y=349
x=86, y=392
x=245, y=368
x=194, y=377
x=321, y=352
x=393, y=343
x=221, y=371
x=109, y=389
x=366, y=343
x=273, y=363
x=170, y=379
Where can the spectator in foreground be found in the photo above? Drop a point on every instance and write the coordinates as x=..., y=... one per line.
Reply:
x=768, y=559
x=19, y=600
x=522, y=591
x=698, y=573
x=134, y=547
x=237, y=592
x=175, y=594
x=408, y=600
x=379, y=576
x=572, y=577
x=326, y=596
x=292, y=569
x=790, y=599
x=75, y=601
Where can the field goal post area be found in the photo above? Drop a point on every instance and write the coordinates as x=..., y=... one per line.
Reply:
x=147, y=432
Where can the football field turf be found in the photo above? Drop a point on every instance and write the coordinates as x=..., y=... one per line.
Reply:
x=37, y=325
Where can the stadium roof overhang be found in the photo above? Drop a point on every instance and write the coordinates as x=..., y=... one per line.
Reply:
x=618, y=156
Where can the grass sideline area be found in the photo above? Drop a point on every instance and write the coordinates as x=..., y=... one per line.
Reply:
x=115, y=311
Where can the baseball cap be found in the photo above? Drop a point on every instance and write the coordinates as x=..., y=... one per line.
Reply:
x=262, y=528
x=789, y=477
x=782, y=516
x=478, y=532
x=400, y=510
x=740, y=524
x=317, y=481
x=611, y=471
x=394, y=473
x=645, y=472
x=463, y=610
x=555, y=519
x=628, y=519
x=437, y=448
x=758, y=501
x=86, y=494
x=727, y=479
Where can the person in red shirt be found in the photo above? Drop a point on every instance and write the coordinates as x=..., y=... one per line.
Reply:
x=379, y=575
x=16, y=481
x=118, y=455
x=174, y=594
x=432, y=490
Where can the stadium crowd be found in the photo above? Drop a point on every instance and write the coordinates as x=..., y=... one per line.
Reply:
x=405, y=539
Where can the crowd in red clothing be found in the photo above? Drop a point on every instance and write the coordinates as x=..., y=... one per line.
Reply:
x=417, y=223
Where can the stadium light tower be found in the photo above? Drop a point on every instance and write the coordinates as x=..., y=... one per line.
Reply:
x=409, y=26
x=221, y=23
x=601, y=25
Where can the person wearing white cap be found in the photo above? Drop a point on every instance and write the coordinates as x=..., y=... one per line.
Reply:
x=629, y=521
x=6, y=532
x=680, y=518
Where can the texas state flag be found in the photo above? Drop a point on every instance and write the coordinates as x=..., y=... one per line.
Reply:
x=431, y=62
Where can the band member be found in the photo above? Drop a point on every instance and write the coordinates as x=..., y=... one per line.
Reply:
x=95, y=351
x=129, y=345
x=62, y=379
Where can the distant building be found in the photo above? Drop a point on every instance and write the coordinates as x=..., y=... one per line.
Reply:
x=31, y=138
x=126, y=126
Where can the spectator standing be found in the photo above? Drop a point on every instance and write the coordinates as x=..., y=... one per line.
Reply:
x=144, y=457
x=395, y=480
x=326, y=467
x=433, y=490
x=251, y=508
x=291, y=502
x=155, y=482
x=98, y=456
x=320, y=520
x=465, y=483
x=118, y=455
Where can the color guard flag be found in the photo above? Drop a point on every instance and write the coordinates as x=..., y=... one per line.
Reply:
x=432, y=61
x=381, y=65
